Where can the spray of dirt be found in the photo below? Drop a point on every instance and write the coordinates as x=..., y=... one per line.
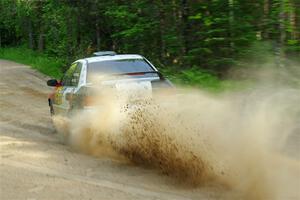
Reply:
x=235, y=140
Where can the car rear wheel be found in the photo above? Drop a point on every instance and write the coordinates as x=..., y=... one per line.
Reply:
x=51, y=107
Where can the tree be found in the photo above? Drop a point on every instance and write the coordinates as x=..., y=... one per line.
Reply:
x=178, y=34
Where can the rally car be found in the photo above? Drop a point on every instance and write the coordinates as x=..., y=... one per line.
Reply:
x=86, y=77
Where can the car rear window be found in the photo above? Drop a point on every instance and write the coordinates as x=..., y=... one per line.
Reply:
x=124, y=66
x=119, y=66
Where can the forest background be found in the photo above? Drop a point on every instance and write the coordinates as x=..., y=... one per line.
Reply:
x=193, y=42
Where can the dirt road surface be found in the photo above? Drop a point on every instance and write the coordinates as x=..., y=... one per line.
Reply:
x=34, y=164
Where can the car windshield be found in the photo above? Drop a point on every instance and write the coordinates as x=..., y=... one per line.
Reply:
x=124, y=66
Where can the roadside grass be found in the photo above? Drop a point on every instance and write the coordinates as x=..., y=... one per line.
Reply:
x=193, y=77
x=47, y=65
x=197, y=78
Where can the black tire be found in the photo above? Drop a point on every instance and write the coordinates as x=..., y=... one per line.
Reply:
x=51, y=107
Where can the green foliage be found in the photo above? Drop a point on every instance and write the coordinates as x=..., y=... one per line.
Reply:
x=48, y=65
x=52, y=67
x=204, y=80
x=203, y=40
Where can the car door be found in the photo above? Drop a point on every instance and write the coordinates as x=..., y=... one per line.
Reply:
x=69, y=83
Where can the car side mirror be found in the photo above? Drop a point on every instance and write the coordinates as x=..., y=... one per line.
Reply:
x=52, y=82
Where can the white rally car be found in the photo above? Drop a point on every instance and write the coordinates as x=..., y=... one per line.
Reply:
x=86, y=78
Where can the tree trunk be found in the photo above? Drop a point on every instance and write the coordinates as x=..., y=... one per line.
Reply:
x=231, y=22
x=292, y=20
x=282, y=24
x=282, y=37
x=98, y=38
x=69, y=38
x=185, y=25
x=41, y=42
x=265, y=33
x=297, y=19
x=40, y=24
x=162, y=32
x=30, y=34
x=78, y=27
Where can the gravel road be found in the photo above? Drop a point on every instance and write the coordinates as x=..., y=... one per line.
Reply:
x=35, y=165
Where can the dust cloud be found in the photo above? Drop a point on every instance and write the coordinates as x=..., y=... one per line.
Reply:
x=246, y=141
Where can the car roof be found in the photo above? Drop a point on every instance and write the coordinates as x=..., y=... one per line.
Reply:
x=115, y=57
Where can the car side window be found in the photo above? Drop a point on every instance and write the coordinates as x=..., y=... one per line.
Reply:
x=76, y=74
x=66, y=80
